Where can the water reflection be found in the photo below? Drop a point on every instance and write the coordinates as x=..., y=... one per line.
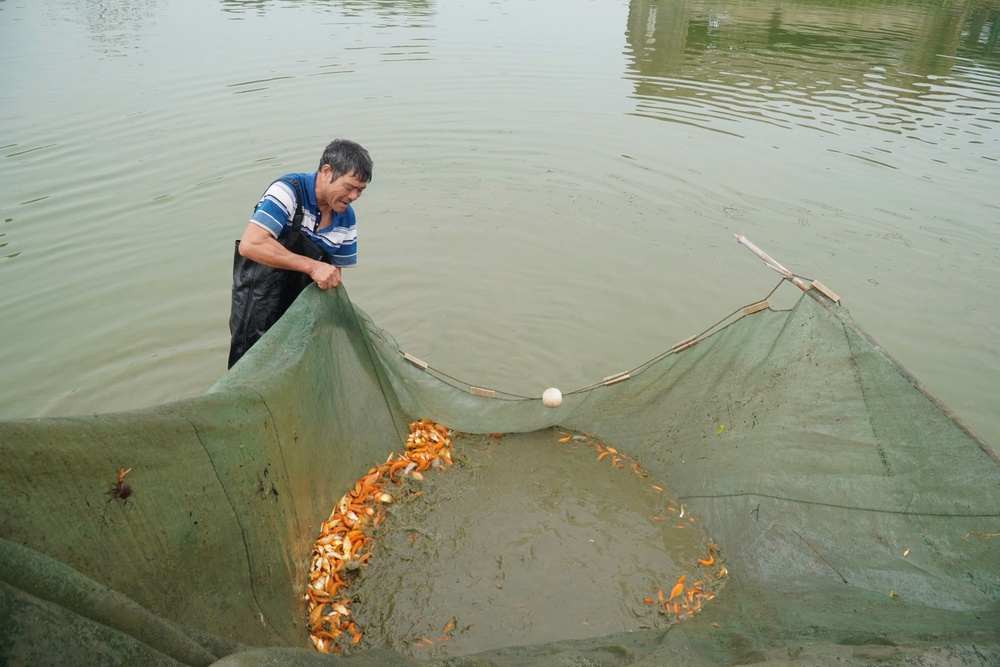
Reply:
x=385, y=8
x=982, y=28
x=829, y=68
x=115, y=26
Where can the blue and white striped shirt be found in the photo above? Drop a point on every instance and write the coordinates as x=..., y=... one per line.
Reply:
x=275, y=210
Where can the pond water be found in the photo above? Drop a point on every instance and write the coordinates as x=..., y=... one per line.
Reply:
x=557, y=184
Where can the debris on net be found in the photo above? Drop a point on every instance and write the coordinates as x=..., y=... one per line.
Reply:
x=343, y=545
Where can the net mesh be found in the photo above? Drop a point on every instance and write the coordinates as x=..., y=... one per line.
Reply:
x=858, y=517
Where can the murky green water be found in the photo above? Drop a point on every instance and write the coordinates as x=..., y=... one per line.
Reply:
x=556, y=183
x=528, y=540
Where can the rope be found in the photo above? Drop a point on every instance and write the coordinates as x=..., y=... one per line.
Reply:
x=637, y=370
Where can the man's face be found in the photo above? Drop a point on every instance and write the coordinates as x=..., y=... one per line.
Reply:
x=340, y=192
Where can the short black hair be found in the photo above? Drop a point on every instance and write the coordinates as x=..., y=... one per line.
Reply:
x=347, y=157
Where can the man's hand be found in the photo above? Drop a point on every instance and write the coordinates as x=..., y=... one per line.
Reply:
x=325, y=276
x=258, y=245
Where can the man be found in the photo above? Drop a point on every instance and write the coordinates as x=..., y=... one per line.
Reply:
x=305, y=227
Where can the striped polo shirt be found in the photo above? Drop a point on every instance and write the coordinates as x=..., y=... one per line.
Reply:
x=275, y=210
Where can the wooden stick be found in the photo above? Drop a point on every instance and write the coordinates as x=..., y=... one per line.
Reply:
x=771, y=264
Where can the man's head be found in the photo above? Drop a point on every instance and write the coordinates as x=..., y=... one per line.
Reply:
x=347, y=157
x=344, y=171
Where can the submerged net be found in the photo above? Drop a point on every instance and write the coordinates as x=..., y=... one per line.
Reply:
x=857, y=517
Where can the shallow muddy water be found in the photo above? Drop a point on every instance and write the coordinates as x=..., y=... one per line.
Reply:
x=528, y=540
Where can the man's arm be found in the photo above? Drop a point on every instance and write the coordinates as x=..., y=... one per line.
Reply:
x=258, y=245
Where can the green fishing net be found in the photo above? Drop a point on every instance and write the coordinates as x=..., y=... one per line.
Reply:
x=857, y=518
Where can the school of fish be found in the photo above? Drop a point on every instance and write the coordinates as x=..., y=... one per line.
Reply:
x=344, y=542
x=686, y=597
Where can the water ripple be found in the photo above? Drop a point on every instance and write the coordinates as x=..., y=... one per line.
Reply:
x=580, y=172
